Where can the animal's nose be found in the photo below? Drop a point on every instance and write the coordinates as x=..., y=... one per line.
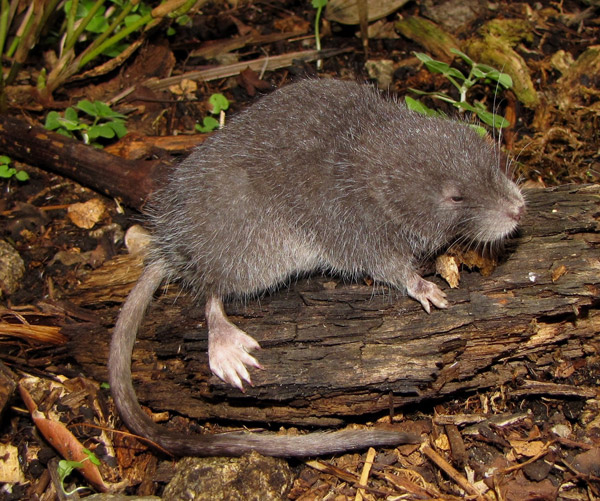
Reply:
x=517, y=211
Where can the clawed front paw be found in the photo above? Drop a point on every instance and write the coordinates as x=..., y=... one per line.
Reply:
x=228, y=355
x=426, y=293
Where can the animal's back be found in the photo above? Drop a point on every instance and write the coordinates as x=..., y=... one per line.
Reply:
x=321, y=173
x=243, y=208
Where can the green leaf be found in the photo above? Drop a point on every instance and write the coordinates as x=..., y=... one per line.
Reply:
x=65, y=468
x=119, y=127
x=464, y=106
x=424, y=58
x=4, y=159
x=131, y=19
x=505, y=80
x=484, y=68
x=463, y=56
x=439, y=66
x=183, y=20
x=105, y=111
x=101, y=130
x=52, y=122
x=71, y=114
x=454, y=73
x=83, y=7
x=208, y=124
x=419, y=92
x=22, y=175
x=7, y=172
x=92, y=457
x=493, y=120
x=479, y=73
x=98, y=24
x=418, y=106
x=64, y=132
x=114, y=50
x=444, y=69
x=88, y=107
x=319, y=3
x=217, y=103
x=485, y=116
x=71, y=125
x=482, y=131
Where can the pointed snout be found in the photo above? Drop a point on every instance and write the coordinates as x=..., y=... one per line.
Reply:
x=516, y=211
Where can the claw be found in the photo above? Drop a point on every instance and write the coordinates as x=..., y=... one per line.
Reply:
x=228, y=347
x=426, y=293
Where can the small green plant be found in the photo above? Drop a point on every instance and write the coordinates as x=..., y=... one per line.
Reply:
x=105, y=123
x=479, y=73
x=66, y=467
x=183, y=20
x=97, y=20
x=6, y=171
x=90, y=28
x=217, y=103
x=319, y=5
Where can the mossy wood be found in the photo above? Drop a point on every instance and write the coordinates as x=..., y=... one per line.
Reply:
x=333, y=350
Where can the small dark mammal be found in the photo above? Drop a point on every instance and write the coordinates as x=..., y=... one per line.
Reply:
x=322, y=174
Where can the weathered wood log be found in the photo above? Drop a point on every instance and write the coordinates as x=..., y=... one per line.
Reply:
x=130, y=180
x=332, y=349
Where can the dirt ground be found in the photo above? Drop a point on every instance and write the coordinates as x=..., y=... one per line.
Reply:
x=498, y=443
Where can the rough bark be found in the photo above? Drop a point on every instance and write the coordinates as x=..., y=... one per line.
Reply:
x=332, y=349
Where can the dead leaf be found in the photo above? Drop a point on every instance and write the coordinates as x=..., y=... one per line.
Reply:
x=471, y=259
x=521, y=489
x=86, y=215
x=447, y=267
x=527, y=448
x=558, y=272
x=58, y=435
x=564, y=370
x=588, y=462
x=346, y=11
x=186, y=88
x=250, y=80
x=10, y=469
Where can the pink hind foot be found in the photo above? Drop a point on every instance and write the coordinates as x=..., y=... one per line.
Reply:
x=228, y=346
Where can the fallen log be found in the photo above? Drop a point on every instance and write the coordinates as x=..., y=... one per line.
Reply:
x=129, y=180
x=333, y=349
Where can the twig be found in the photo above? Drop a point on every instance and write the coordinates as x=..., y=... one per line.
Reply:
x=450, y=471
x=364, y=476
x=272, y=63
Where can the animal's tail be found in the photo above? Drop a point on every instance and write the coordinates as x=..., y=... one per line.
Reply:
x=227, y=444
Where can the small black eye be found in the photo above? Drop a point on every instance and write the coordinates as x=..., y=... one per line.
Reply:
x=457, y=199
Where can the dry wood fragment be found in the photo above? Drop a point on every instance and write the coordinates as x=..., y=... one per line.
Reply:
x=557, y=390
x=459, y=479
x=365, y=473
